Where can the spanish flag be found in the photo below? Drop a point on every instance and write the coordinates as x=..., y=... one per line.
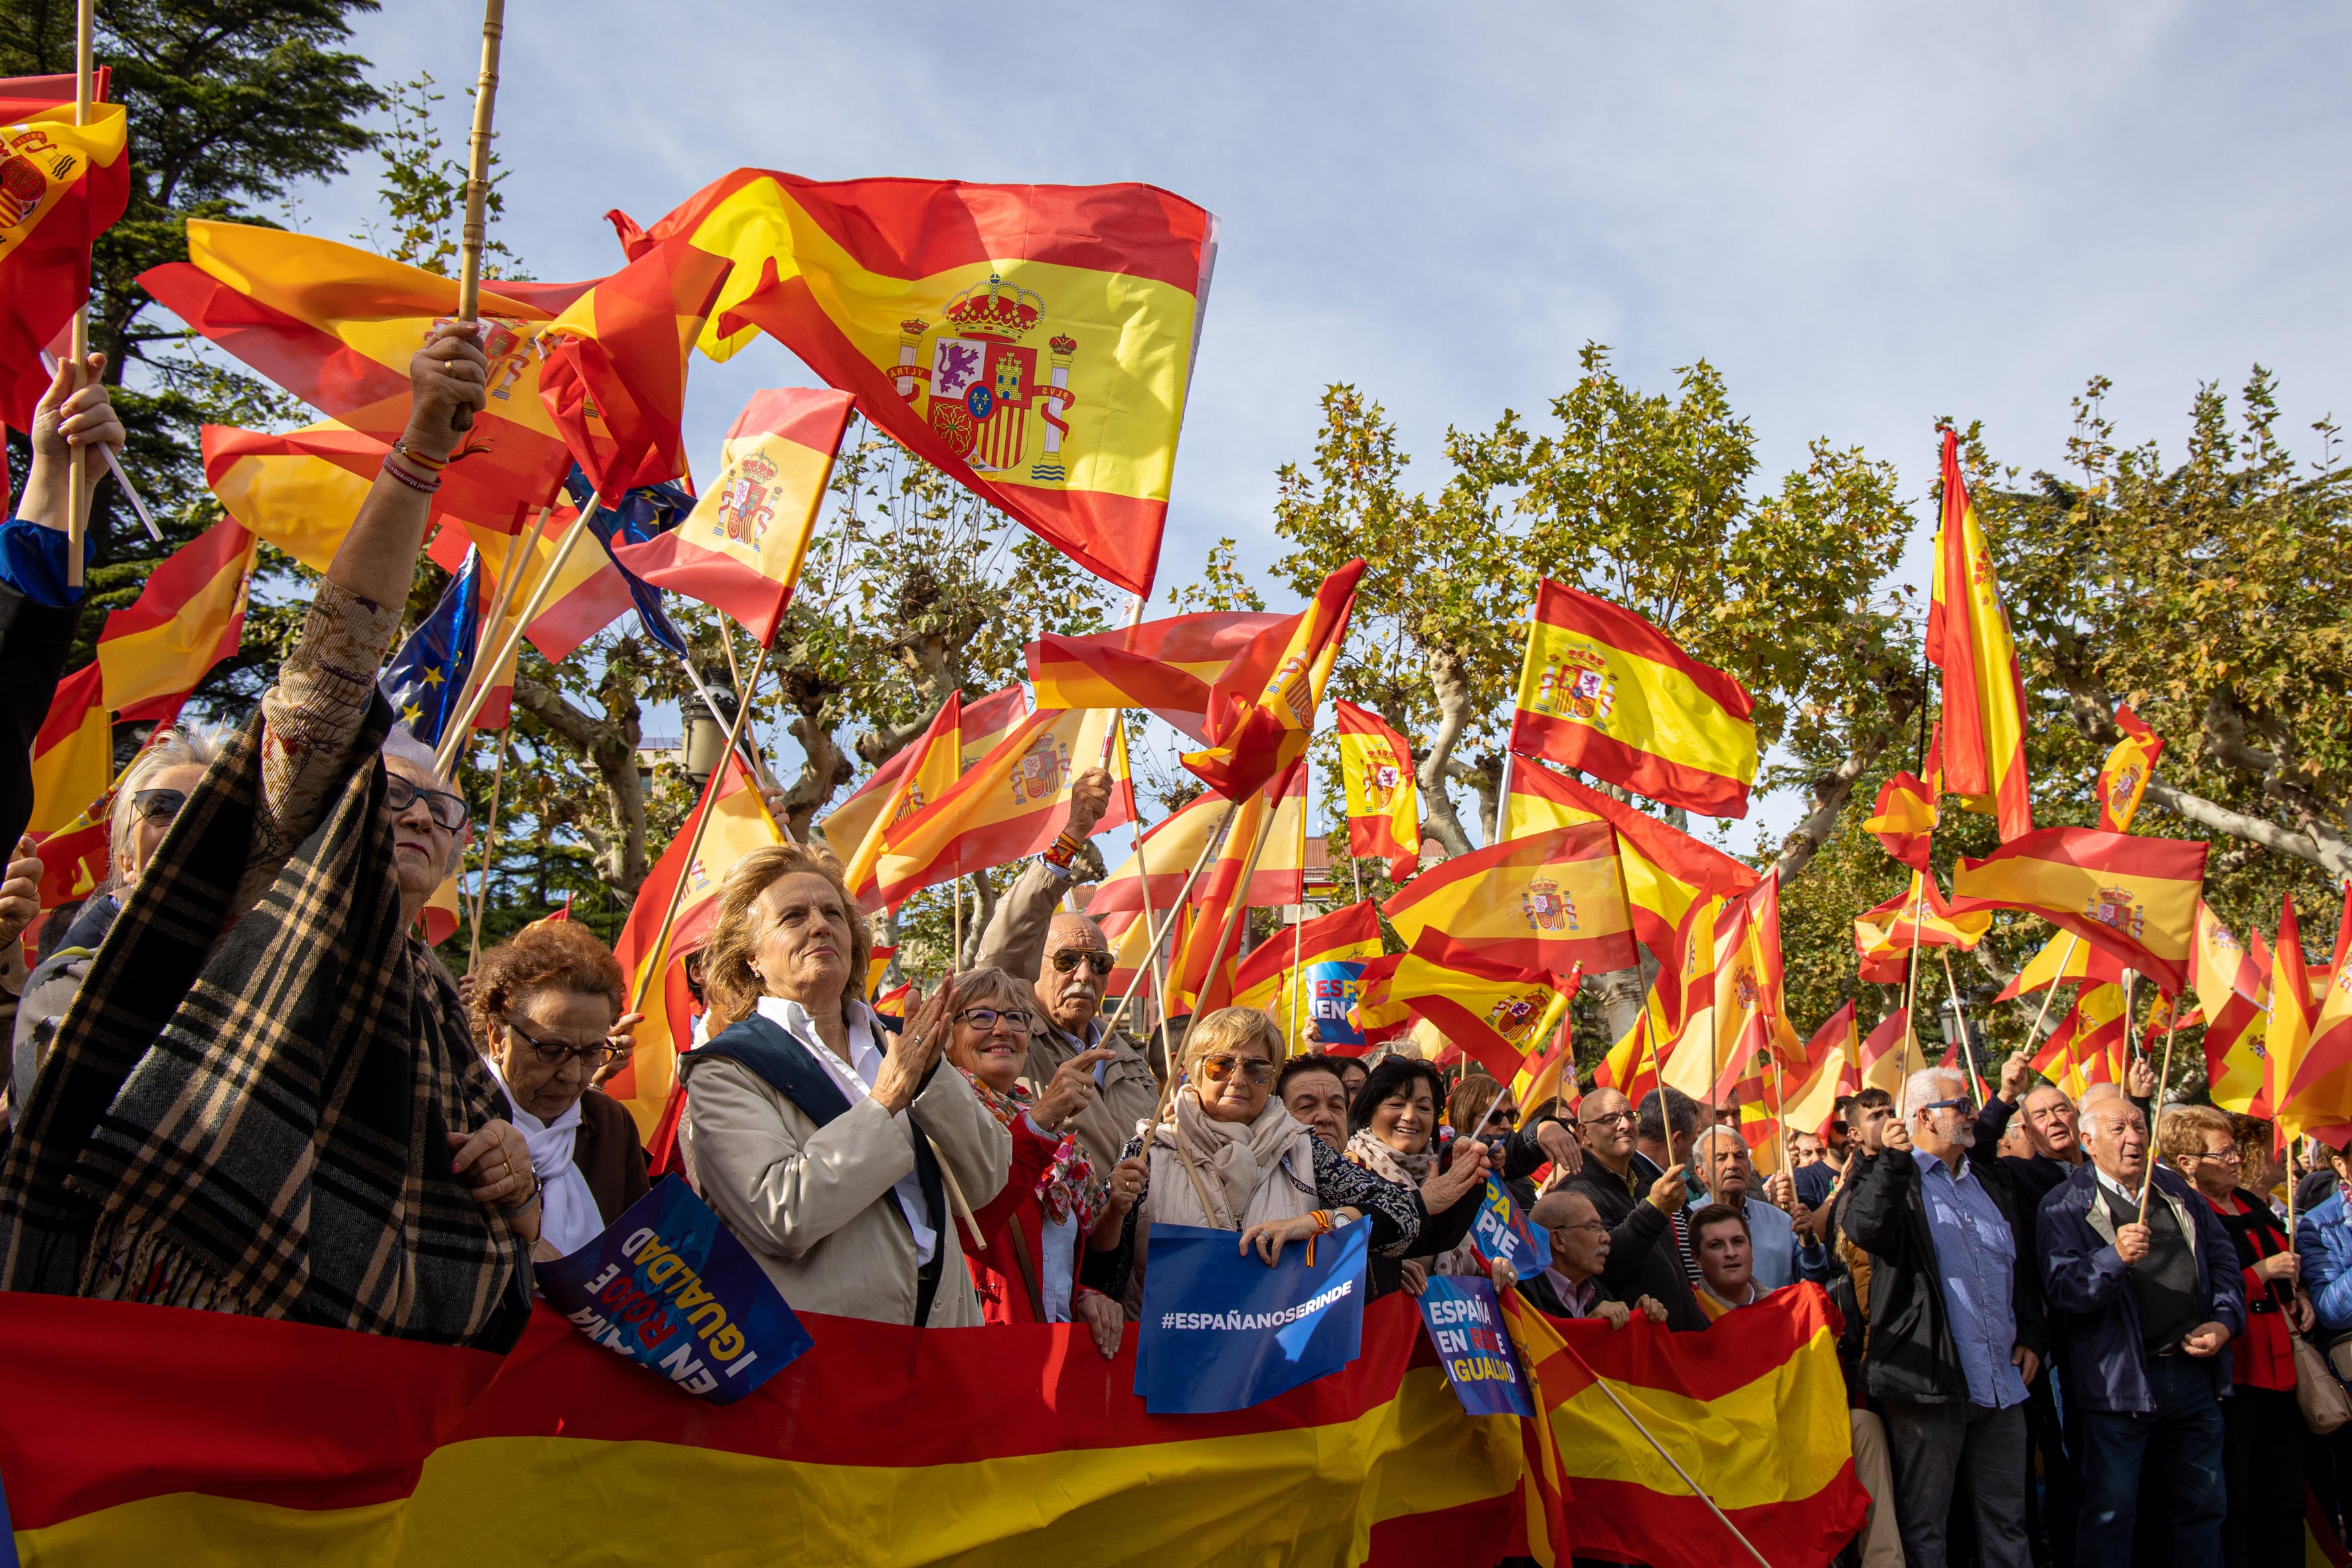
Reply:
x=1550, y=1072
x=1630, y=1067
x=933, y=761
x=61, y=186
x=1262, y=707
x=1383, y=798
x=1904, y=819
x=1012, y=802
x=2064, y=957
x=1969, y=639
x=1886, y=1054
x=742, y=549
x=1545, y=904
x=1171, y=847
x=1754, y=1410
x=2123, y=778
x=1167, y=666
x=188, y=618
x=2134, y=897
x=1270, y=979
x=2234, y=992
x=1604, y=690
x=983, y=726
x=1034, y=343
x=1829, y=1066
x=1885, y=937
x=336, y=326
x=2089, y=1043
x=588, y=595
x=1492, y=1012
x=740, y=823
x=2288, y=1037
x=2317, y=1099
x=1750, y=1014
x=1207, y=945
x=1666, y=870
x=73, y=750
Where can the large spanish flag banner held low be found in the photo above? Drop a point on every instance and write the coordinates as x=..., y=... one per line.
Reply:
x=2135, y=898
x=1604, y=690
x=1035, y=342
x=1969, y=639
x=1383, y=798
x=1544, y=904
x=61, y=186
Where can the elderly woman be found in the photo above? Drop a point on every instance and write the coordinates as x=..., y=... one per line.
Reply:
x=545, y=1006
x=1392, y=1132
x=831, y=1147
x=1032, y=1237
x=1231, y=1158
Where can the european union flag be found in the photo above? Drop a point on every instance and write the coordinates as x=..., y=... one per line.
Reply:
x=424, y=679
x=640, y=515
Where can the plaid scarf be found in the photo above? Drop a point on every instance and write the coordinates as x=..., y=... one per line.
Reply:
x=253, y=1119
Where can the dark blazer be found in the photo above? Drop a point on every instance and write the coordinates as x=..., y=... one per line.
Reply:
x=608, y=1154
x=1644, y=1257
x=1540, y=1291
x=33, y=638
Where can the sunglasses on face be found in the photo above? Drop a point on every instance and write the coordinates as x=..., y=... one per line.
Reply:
x=448, y=811
x=1964, y=1104
x=158, y=804
x=555, y=1053
x=985, y=1020
x=1069, y=958
x=1218, y=1068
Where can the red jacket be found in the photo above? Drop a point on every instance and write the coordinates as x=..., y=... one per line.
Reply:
x=1005, y=1275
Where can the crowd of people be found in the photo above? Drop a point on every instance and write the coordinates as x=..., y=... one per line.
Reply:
x=240, y=1080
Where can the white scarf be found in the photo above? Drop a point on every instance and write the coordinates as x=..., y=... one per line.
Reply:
x=568, y=1219
x=1241, y=1165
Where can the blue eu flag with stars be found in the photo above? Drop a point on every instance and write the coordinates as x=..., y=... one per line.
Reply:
x=424, y=679
x=642, y=514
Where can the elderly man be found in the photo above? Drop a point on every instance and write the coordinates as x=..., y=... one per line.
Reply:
x=280, y=1110
x=1665, y=1124
x=1784, y=1248
x=1645, y=1258
x=1309, y=1089
x=1572, y=1287
x=2147, y=1302
x=1956, y=1327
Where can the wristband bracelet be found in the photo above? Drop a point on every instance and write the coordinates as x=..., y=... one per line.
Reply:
x=433, y=464
x=421, y=487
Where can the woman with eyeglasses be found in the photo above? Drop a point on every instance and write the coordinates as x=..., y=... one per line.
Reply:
x=544, y=1006
x=1229, y=1157
x=1392, y=1134
x=1036, y=1230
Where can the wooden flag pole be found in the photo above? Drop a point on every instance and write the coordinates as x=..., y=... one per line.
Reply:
x=693, y=847
x=489, y=849
x=77, y=456
x=1911, y=976
x=2033, y=1035
x=1298, y=926
x=454, y=740
x=1143, y=871
x=1952, y=990
x=478, y=179
x=518, y=561
x=1622, y=1409
x=1207, y=849
x=2156, y=1105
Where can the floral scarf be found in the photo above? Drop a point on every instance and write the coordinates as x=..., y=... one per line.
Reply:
x=1069, y=1189
x=1366, y=1150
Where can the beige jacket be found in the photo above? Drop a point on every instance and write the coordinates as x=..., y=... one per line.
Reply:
x=814, y=1204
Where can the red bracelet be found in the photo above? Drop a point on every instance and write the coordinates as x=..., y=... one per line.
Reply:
x=421, y=487
x=430, y=465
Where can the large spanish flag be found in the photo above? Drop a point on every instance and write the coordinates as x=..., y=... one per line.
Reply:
x=336, y=326
x=1491, y=1012
x=740, y=823
x=61, y=186
x=1262, y=706
x=1167, y=666
x=743, y=548
x=1754, y=1410
x=1885, y=936
x=984, y=724
x=1383, y=798
x=1269, y=976
x=1010, y=803
x=2134, y=896
x=2234, y=992
x=143, y=1434
x=1604, y=690
x=188, y=618
x=1036, y=343
x=1545, y=904
x=1969, y=639
x=2123, y=777
x=934, y=761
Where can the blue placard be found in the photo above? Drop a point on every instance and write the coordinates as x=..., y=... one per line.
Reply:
x=1221, y=1330
x=1332, y=987
x=670, y=1288
x=1502, y=1234
x=1465, y=1325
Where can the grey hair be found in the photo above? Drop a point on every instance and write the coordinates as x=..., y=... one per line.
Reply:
x=1919, y=1088
x=1710, y=1135
x=179, y=746
x=402, y=742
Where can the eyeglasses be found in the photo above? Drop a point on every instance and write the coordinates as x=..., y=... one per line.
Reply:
x=1582, y=1225
x=1609, y=1118
x=1069, y=958
x=2226, y=1156
x=555, y=1053
x=448, y=811
x=985, y=1020
x=1217, y=1069
x=158, y=804
x=1964, y=1104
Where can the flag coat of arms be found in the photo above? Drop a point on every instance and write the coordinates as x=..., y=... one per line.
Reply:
x=61, y=186
x=1035, y=342
x=1545, y=904
x=2135, y=898
x=2123, y=777
x=1383, y=798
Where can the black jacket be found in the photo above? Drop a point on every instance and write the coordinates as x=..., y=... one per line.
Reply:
x=1643, y=1259
x=1546, y=1300
x=1911, y=1354
x=33, y=638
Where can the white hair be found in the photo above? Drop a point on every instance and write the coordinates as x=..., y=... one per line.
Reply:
x=177, y=746
x=1699, y=1144
x=402, y=742
x=1921, y=1089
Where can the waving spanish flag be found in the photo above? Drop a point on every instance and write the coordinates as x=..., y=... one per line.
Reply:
x=188, y=618
x=1383, y=798
x=2089, y=1043
x=1318, y=986
x=1750, y=1014
x=73, y=751
x=1010, y=803
x=336, y=326
x=1904, y=819
x=1492, y=1012
x=61, y=186
x=1545, y=904
x=1969, y=639
x=1262, y=707
x=933, y=761
x=1604, y=690
x=2066, y=957
x=1885, y=936
x=1885, y=1053
x=2123, y=778
x=2310, y=1044
x=743, y=548
x=2322, y=1091
x=984, y=723
x=1167, y=666
x=1169, y=848
x=2135, y=898
x=1208, y=939
x=1034, y=343
x=1829, y=1066
x=2234, y=992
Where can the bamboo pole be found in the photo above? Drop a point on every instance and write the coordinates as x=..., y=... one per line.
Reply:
x=518, y=561
x=77, y=456
x=2156, y=1106
x=478, y=179
x=454, y=740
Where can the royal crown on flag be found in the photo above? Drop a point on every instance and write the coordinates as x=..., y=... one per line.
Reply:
x=1545, y=906
x=1577, y=683
x=2116, y=908
x=748, y=502
x=1001, y=310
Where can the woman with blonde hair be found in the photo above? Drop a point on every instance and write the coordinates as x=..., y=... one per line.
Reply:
x=829, y=1146
x=1228, y=1156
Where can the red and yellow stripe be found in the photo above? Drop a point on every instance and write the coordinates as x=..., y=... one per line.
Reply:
x=2135, y=898
x=1969, y=639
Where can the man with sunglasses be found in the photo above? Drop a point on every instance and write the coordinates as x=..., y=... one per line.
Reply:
x=1071, y=975
x=1955, y=1320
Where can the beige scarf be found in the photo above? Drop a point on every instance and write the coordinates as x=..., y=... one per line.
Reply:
x=1368, y=1150
x=1241, y=1166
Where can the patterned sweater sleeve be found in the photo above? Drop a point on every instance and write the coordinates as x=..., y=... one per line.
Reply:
x=1108, y=1271
x=1394, y=1212
x=309, y=719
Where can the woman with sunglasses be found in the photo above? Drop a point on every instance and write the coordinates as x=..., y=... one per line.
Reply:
x=1229, y=1157
x=545, y=1005
x=1026, y=1244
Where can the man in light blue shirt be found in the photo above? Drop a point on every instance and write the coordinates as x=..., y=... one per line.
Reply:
x=1720, y=1155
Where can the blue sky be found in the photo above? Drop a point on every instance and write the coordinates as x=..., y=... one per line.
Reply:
x=1866, y=215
